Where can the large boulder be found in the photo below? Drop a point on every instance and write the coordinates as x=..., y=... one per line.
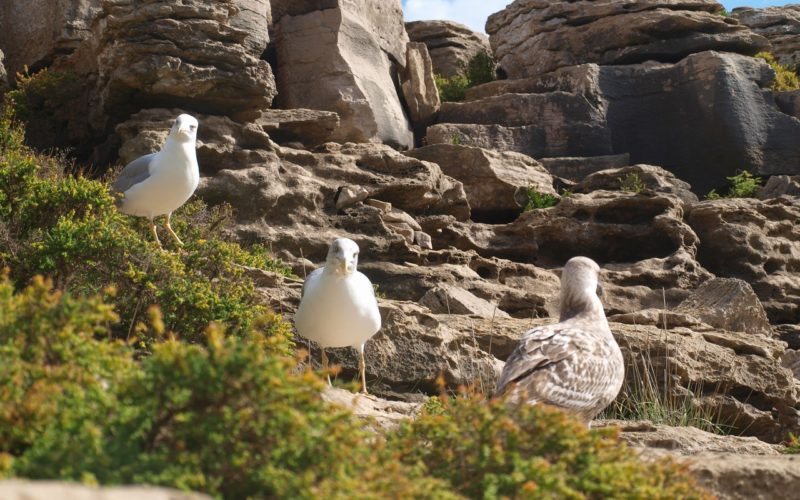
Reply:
x=451, y=45
x=37, y=33
x=779, y=25
x=530, y=37
x=729, y=304
x=202, y=56
x=346, y=57
x=419, y=87
x=755, y=241
x=637, y=178
x=496, y=183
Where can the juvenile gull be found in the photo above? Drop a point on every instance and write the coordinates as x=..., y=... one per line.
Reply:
x=159, y=183
x=338, y=306
x=576, y=364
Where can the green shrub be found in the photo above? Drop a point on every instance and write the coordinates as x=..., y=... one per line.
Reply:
x=479, y=70
x=742, y=185
x=37, y=96
x=451, y=89
x=68, y=229
x=785, y=77
x=632, y=183
x=500, y=450
x=538, y=200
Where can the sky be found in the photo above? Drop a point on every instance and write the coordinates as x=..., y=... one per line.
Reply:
x=473, y=13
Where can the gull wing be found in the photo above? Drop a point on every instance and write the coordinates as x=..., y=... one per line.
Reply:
x=134, y=172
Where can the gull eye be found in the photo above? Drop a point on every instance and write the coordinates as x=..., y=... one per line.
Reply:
x=193, y=127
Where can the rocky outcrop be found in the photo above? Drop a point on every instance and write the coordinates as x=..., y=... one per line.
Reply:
x=728, y=304
x=451, y=45
x=576, y=168
x=742, y=477
x=788, y=101
x=379, y=414
x=47, y=490
x=419, y=88
x=204, y=56
x=780, y=185
x=531, y=38
x=38, y=33
x=346, y=58
x=755, y=241
x=447, y=299
x=635, y=179
x=779, y=25
x=496, y=182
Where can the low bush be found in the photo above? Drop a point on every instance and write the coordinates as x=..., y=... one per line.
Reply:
x=742, y=185
x=537, y=200
x=479, y=70
x=785, y=77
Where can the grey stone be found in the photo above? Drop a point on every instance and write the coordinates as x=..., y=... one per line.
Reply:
x=779, y=25
x=450, y=44
x=728, y=304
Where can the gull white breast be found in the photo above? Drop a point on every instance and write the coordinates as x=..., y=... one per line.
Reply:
x=159, y=183
x=576, y=364
x=338, y=307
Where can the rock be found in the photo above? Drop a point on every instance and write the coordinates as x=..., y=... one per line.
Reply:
x=789, y=333
x=345, y=58
x=423, y=239
x=576, y=168
x=380, y=413
x=743, y=477
x=539, y=125
x=729, y=304
x=686, y=441
x=791, y=360
x=662, y=319
x=780, y=185
x=203, y=55
x=496, y=183
x=310, y=127
x=448, y=299
x=779, y=25
x=347, y=196
x=638, y=178
x=755, y=241
x=739, y=123
x=39, y=33
x=16, y=489
x=530, y=38
x=419, y=89
x=450, y=44
x=789, y=102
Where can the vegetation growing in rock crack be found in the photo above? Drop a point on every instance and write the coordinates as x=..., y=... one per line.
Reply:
x=537, y=199
x=785, y=77
x=742, y=185
x=632, y=183
x=479, y=70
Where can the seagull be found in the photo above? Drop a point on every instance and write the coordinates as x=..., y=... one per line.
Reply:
x=576, y=364
x=159, y=183
x=338, y=307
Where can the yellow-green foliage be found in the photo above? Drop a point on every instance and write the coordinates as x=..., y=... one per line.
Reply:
x=785, y=78
x=479, y=70
x=537, y=199
x=501, y=450
x=38, y=95
x=742, y=185
x=67, y=228
x=632, y=183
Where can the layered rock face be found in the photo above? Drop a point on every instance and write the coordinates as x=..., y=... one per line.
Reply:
x=530, y=37
x=206, y=55
x=346, y=58
x=451, y=45
x=38, y=33
x=779, y=25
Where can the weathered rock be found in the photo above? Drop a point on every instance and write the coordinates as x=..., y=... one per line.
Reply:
x=419, y=89
x=496, y=183
x=712, y=114
x=527, y=139
x=39, y=33
x=530, y=37
x=576, y=168
x=789, y=333
x=780, y=185
x=345, y=58
x=686, y=441
x=448, y=299
x=203, y=55
x=779, y=25
x=450, y=44
x=347, y=196
x=789, y=102
x=791, y=360
x=638, y=178
x=661, y=318
x=743, y=477
x=46, y=490
x=758, y=242
x=539, y=125
x=309, y=127
x=728, y=304
x=382, y=414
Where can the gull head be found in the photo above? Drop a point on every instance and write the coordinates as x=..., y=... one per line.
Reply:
x=342, y=257
x=580, y=288
x=184, y=129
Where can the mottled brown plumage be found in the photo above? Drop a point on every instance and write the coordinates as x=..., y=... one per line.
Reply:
x=575, y=364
